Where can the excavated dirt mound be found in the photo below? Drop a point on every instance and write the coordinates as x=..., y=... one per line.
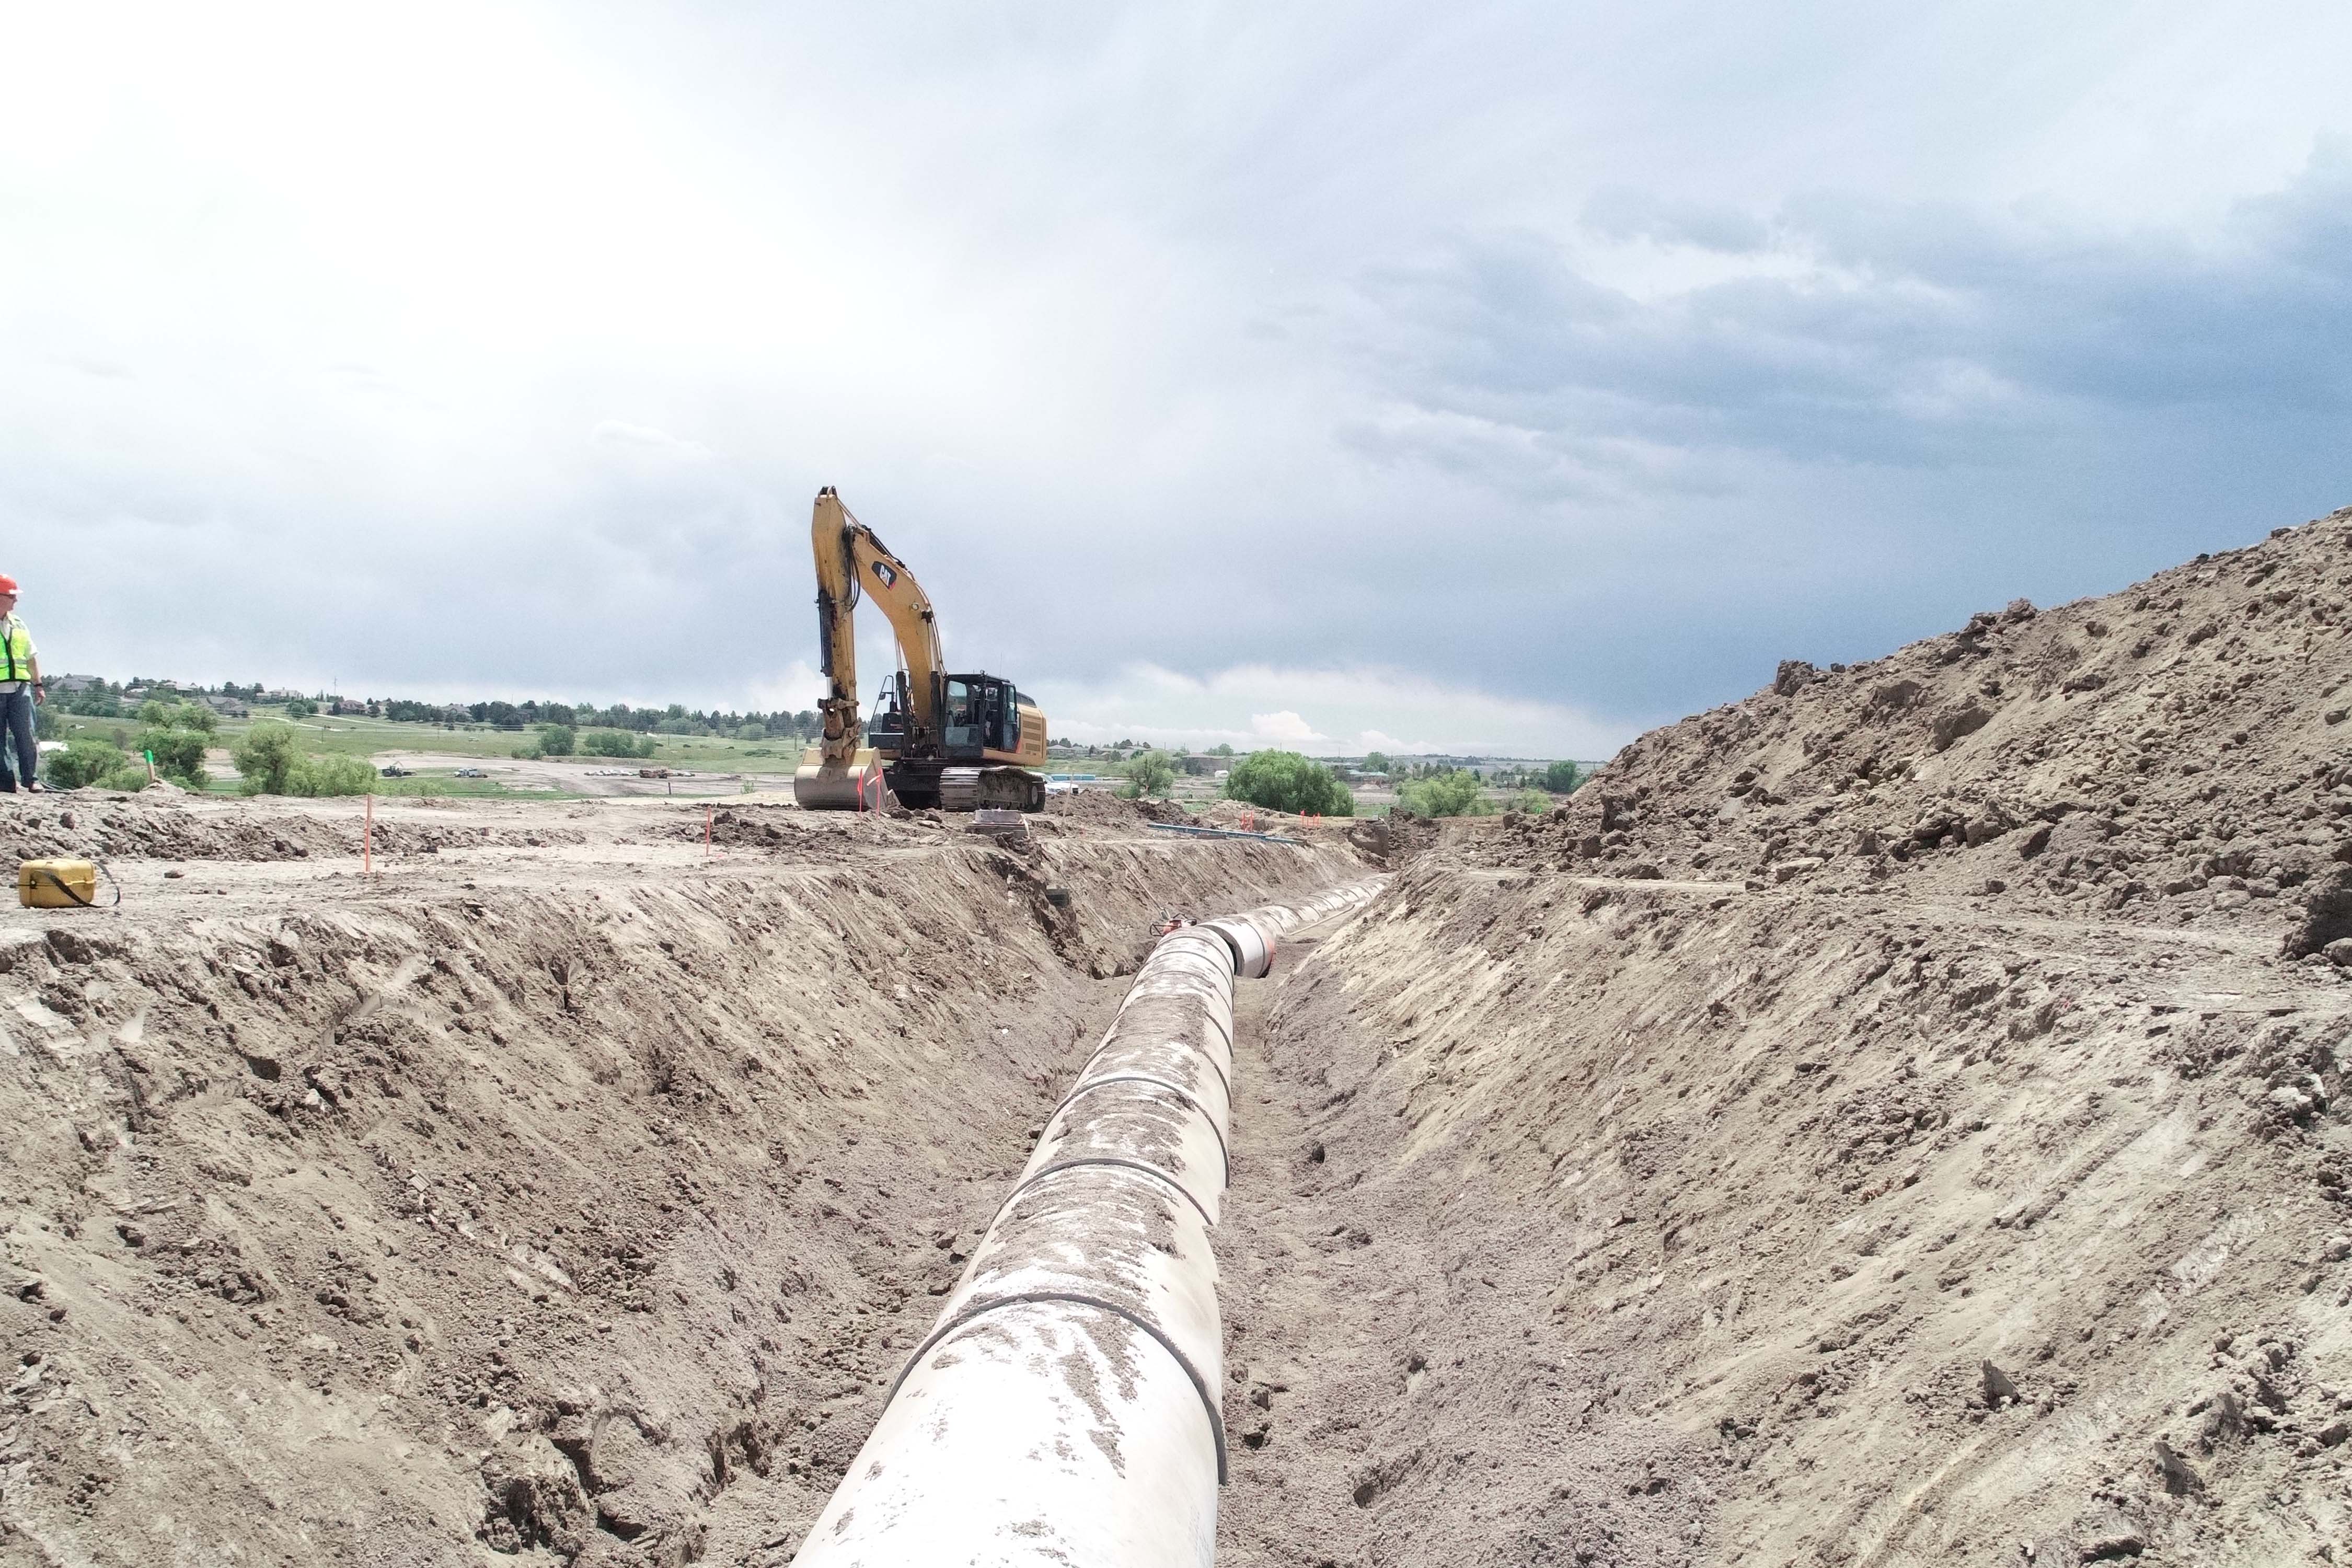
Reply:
x=90, y=825
x=2174, y=753
x=1897, y=1117
x=1109, y=807
x=96, y=825
x=561, y=1190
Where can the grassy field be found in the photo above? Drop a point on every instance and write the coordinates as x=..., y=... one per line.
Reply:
x=365, y=737
x=370, y=738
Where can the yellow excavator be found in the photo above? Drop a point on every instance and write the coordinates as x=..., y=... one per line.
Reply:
x=959, y=741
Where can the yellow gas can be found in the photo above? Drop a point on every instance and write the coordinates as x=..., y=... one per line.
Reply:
x=56, y=884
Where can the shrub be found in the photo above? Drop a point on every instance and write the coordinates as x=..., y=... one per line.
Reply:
x=1151, y=774
x=614, y=743
x=179, y=754
x=555, y=740
x=300, y=708
x=267, y=757
x=273, y=763
x=331, y=776
x=1563, y=778
x=752, y=732
x=86, y=764
x=1451, y=792
x=1533, y=802
x=1285, y=781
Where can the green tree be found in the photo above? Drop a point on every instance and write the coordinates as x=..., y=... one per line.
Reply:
x=1224, y=749
x=614, y=743
x=1449, y=792
x=179, y=716
x=1286, y=781
x=1376, y=762
x=267, y=757
x=300, y=708
x=556, y=740
x=179, y=754
x=1563, y=778
x=272, y=761
x=45, y=722
x=1151, y=774
x=751, y=732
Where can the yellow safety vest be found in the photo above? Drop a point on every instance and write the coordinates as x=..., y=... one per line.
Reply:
x=16, y=651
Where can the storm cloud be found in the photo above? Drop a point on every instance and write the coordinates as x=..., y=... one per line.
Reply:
x=1511, y=377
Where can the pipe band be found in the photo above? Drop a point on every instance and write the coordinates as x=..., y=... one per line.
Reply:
x=1224, y=1154
x=979, y=1310
x=1111, y=1038
x=1036, y=1176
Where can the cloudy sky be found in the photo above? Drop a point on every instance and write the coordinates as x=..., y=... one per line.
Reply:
x=1497, y=376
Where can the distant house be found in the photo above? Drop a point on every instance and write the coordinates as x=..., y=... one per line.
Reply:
x=352, y=705
x=456, y=713
x=226, y=707
x=66, y=685
x=279, y=694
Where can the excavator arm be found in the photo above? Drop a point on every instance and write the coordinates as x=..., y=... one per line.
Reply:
x=836, y=626
x=886, y=580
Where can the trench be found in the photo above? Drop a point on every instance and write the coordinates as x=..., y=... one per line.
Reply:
x=576, y=1201
x=1587, y=1221
x=579, y=1212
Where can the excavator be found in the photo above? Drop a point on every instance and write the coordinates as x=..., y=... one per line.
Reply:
x=957, y=741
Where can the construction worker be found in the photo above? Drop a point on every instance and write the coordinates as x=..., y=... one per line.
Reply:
x=20, y=688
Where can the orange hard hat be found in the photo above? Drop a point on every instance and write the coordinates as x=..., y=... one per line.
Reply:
x=7, y=584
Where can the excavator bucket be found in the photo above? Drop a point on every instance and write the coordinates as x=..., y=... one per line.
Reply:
x=855, y=786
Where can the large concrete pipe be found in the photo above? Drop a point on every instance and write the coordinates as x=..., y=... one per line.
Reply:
x=1254, y=935
x=1065, y=1409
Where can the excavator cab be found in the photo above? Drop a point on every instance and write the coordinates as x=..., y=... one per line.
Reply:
x=979, y=718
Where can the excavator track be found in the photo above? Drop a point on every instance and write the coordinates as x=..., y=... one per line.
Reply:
x=1010, y=789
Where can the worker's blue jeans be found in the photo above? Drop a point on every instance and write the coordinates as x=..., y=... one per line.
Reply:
x=17, y=742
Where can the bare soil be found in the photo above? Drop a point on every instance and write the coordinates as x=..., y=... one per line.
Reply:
x=1897, y=1117
x=558, y=1193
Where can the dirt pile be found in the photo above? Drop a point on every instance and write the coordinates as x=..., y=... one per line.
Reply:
x=92, y=824
x=96, y=825
x=564, y=1200
x=2176, y=752
x=1110, y=809
x=1889, y=1119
